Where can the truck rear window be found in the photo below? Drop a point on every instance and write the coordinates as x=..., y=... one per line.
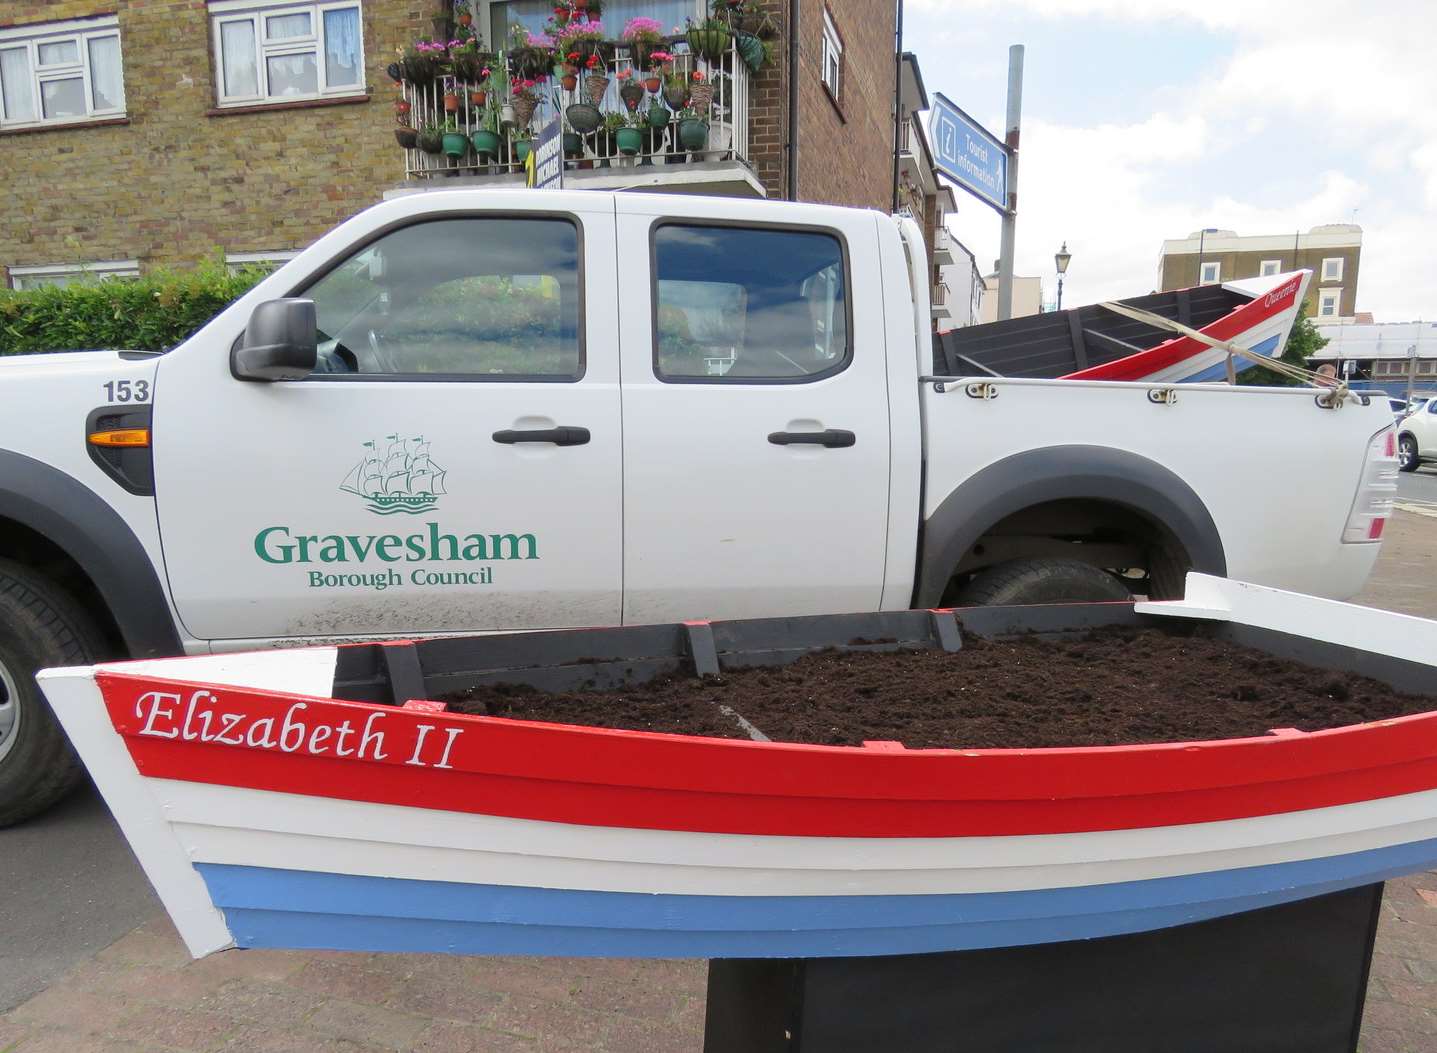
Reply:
x=748, y=304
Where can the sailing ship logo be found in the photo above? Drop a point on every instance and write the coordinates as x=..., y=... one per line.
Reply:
x=397, y=475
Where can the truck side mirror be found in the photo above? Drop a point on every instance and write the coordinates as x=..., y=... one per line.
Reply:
x=278, y=344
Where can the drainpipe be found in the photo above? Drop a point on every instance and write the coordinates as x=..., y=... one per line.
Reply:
x=793, y=28
x=897, y=99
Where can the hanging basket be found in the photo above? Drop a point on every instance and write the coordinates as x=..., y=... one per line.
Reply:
x=693, y=134
x=677, y=96
x=455, y=145
x=583, y=117
x=658, y=116
x=406, y=137
x=430, y=142
x=597, y=84
x=486, y=144
x=750, y=49
x=632, y=93
x=524, y=104
x=711, y=42
x=530, y=63
x=419, y=68
x=701, y=96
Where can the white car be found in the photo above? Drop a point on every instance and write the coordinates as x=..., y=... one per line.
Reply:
x=454, y=413
x=1417, y=437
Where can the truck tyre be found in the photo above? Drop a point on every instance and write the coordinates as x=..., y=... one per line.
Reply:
x=40, y=626
x=1028, y=581
x=1407, y=454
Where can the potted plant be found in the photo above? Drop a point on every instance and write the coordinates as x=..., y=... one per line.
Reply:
x=676, y=90
x=569, y=78
x=693, y=129
x=523, y=141
x=466, y=61
x=597, y=81
x=525, y=100
x=658, y=116
x=644, y=36
x=701, y=92
x=455, y=143
x=586, y=39
x=630, y=90
x=478, y=96
x=629, y=138
x=562, y=15
x=451, y=99
x=406, y=136
x=462, y=14
x=431, y=139
x=424, y=62
x=604, y=141
x=532, y=54
x=402, y=106
x=708, y=38
x=653, y=73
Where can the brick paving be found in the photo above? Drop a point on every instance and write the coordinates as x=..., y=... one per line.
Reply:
x=142, y=994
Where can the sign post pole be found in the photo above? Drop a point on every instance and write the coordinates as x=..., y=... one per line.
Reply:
x=1010, y=212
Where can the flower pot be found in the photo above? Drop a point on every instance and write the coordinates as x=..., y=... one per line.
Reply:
x=456, y=145
x=395, y=71
x=631, y=141
x=573, y=144
x=402, y=107
x=710, y=42
x=677, y=96
x=430, y=142
x=653, y=85
x=597, y=84
x=522, y=149
x=750, y=49
x=530, y=63
x=701, y=95
x=524, y=105
x=466, y=20
x=583, y=117
x=406, y=137
x=419, y=68
x=720, y=141
x=658, y=116
x=478, y=98
x=486, y=144
x=632, y=93
x=569, y=81
x=451, y=102
x=693, y=134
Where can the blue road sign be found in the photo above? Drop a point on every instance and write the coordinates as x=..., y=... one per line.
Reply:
x=548, y=157
x=969, y=154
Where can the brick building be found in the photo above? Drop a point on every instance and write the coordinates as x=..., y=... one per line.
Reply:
x=1333, y=252
x=140, y=133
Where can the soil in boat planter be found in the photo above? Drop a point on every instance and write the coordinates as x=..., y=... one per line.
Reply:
x=1099, y=689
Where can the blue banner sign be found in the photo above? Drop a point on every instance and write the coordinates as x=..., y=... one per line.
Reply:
x=969, y=154
x=547, y=157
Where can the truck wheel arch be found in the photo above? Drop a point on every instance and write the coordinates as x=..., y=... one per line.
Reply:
x=90, y=533
x=1058, y=473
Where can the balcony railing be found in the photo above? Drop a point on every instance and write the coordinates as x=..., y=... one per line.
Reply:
x=727, y=114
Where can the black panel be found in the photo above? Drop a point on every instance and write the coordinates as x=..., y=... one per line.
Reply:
x=1285, y=979
x=132, y=467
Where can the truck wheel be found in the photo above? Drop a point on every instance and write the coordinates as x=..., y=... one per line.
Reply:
x=40, y=626
x=1028, y=581
x=1407, y=454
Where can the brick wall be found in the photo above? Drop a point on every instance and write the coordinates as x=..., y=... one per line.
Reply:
x=845, y=145
x=176, y=184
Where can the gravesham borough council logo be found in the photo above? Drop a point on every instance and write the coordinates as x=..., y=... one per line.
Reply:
x=396, y=475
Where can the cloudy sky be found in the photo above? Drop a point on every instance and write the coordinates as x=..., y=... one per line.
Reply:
x=1148, y=119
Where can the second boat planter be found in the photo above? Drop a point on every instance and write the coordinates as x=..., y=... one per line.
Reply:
x=316, y=798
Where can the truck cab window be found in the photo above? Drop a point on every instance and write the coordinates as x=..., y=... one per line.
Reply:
x=743, y=304
x=475, y=298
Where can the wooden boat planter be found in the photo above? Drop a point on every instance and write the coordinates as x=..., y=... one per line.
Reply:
x=1095, y=343
x=314, y=799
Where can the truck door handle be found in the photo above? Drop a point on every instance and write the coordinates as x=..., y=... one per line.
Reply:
x=563, y=436
x=830, y=437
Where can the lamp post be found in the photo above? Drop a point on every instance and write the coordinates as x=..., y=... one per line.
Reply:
x=1061, y=259
x=1202, y=236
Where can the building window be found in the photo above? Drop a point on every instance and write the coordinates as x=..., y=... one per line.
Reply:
x=69, y=273
x=278, y=51
x=832, y=56
x=1329, y=303
x=237, y=261
x=1267, y=268
x=1332, y=269
x=61, y=72
x=1210, y=274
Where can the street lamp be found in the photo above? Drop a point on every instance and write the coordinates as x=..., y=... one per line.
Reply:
x=1061, y=259
x=1202, y=237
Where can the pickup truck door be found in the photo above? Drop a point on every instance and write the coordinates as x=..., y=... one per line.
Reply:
x=756, y=453
x=454, y=464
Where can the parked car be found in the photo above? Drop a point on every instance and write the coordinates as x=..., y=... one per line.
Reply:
x=454, y=413
x=1417, y=438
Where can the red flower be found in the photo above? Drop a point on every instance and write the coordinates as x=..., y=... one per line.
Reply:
x=593, y=62
x=698, y=77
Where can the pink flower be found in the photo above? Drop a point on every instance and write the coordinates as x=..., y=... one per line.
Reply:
x=643, y=25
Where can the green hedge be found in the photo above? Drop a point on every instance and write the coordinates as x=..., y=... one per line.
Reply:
x=150, y=313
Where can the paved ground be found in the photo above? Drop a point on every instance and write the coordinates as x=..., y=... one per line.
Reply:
x=1418, y=488
x=68, y=887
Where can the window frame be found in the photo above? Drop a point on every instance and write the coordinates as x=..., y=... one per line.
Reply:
x=235, y=261
x=98, y=269
x=1337, y=277
x=300, y=288
x=832, y=49
x=1263, y=272
x=1216, y=278
x=257, y=13
x=727, y=224
x=1336, y=301
x=81, y=32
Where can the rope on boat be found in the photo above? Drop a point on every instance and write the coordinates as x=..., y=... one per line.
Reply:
x=1334, y=394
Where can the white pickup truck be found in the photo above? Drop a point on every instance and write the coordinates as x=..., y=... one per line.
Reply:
x=487, y=410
